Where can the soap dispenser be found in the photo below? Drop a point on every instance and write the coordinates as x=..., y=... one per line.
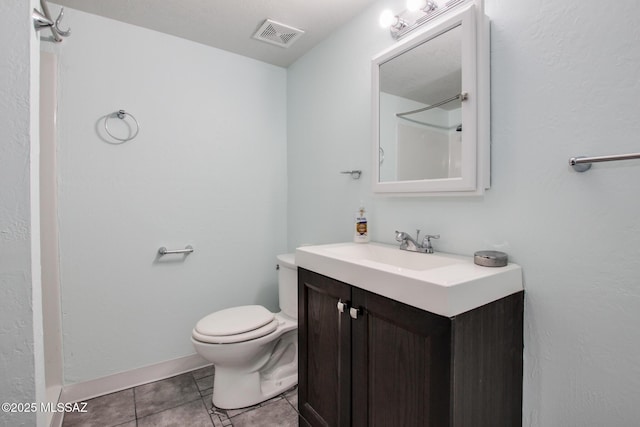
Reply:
x=361, y=234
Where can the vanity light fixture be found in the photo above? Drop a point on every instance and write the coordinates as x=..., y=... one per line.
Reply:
x=388, y=19
x=418, y=12
x=426, y=6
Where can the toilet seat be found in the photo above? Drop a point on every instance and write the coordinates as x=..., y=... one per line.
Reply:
x=235, y=324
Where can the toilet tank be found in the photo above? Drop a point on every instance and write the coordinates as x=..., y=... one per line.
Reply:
x=288, y=284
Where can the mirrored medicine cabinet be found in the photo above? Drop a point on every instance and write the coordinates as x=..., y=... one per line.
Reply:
x=431, y=109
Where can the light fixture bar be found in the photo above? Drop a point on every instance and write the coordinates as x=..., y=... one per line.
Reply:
x=431, y=11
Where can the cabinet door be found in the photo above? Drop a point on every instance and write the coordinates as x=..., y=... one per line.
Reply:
x=401, y=364
x=324, y=368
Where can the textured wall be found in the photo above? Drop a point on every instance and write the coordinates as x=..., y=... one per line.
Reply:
x=208, y=168
x=19, y=381
x=564, y=82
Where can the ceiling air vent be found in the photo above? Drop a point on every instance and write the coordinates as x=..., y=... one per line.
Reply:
x=277, y=33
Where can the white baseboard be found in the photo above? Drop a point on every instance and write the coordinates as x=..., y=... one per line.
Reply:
x=124, y=380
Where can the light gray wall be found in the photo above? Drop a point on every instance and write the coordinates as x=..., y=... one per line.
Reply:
x=208, y=168
x=21, y=356
x=564, y=83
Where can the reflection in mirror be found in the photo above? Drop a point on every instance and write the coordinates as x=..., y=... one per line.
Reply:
x=420, y=117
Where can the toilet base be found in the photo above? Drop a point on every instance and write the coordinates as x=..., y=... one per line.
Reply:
x=233, y=389
x=250, y=391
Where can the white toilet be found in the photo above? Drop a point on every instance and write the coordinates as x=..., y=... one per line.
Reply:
x=254, y=351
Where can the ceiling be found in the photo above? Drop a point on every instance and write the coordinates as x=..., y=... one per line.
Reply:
x=229, y=24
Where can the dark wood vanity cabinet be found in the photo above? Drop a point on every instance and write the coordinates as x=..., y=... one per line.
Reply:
x=396, y=365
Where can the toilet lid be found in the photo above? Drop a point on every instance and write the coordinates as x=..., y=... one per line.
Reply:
x=231, y=339
x=234, y=321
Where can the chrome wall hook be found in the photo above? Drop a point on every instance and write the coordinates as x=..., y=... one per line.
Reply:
x=63, y=33
x=43, y=20
x=40, y=21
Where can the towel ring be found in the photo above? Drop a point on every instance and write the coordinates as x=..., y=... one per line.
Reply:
x=121, y=114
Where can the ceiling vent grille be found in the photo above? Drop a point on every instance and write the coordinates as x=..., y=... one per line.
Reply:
x=277, y=33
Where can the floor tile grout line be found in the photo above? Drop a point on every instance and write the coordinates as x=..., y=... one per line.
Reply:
x=135, y=405
x=221, y=415
x=207, y=412
x=201, y=398
x=172, y=407
x=291, y=404
x=294, y=407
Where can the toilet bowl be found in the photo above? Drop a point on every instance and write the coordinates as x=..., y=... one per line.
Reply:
x=254, y=351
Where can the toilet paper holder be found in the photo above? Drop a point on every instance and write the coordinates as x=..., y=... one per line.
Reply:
x=187, y=250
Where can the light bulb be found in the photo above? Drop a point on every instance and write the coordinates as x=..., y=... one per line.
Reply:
x=387, y=18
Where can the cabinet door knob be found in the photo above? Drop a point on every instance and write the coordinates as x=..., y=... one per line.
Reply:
x=342, y=305
x=353, y=312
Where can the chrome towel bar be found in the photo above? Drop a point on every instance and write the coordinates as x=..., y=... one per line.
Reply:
x=582, y=164
x=355, y=174
x=164, y=251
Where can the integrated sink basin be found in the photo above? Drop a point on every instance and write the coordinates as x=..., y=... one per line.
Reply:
x=390, y=256
x=440, y=283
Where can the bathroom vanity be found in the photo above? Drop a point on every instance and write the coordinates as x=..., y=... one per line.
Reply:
x=368, y=359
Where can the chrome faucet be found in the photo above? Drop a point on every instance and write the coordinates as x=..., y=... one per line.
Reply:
x=407, y=243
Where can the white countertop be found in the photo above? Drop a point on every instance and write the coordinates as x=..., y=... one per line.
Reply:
x=440, y=283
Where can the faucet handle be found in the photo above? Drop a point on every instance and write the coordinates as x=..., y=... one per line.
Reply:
x=426, y=242
x=402, y=237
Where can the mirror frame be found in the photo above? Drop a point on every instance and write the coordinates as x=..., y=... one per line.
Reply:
x=475, y=176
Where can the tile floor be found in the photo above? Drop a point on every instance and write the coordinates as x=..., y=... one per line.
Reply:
x=183, y=400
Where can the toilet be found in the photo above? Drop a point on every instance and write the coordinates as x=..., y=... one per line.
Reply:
x=254, y=351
